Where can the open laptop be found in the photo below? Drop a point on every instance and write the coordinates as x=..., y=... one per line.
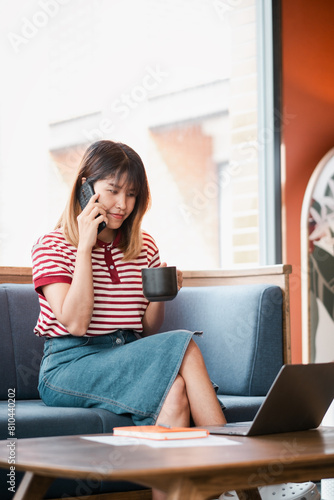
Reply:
x=297, y=401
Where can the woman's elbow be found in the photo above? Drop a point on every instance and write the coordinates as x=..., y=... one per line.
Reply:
x=77, y=329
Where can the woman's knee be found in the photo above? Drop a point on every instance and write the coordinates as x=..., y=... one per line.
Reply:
x=176, y=410
x=193, y=353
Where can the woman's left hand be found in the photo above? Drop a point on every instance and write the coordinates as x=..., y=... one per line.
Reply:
x=179, y=279
x=179, y=276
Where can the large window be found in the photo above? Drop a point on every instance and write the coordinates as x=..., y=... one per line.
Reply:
x=181, y=81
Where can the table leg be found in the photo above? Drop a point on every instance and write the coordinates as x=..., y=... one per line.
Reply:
x=186, y=488
x=32, y=487
x=251, y=494
x=183, y=489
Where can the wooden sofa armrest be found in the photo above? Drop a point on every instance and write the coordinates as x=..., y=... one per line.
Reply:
x=15, y=275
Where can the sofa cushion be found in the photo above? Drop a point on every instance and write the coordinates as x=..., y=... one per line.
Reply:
x=35, y=419
x=7, y=365
x=242, y=342
x=20, y=366
x=241, y=408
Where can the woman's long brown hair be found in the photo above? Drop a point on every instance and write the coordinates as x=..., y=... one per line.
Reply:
x=102, y=160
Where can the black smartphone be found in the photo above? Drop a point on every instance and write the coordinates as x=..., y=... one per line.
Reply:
x=85, y=194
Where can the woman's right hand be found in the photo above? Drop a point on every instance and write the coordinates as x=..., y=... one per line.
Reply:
x=88, y=221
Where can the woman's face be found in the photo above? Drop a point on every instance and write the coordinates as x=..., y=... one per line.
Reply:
x=117, y=198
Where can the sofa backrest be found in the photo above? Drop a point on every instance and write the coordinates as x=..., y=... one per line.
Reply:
x=21, y=351
x=242, y=343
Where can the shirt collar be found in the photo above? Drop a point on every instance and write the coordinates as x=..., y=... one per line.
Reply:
x=114, y=243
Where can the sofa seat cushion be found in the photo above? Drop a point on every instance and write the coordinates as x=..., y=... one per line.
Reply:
x=35, y=419
x=240, y=408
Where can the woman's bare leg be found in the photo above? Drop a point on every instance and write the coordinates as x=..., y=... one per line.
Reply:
x=158, y=495
x=204, y=405
x=192, y=392
x=175, y=410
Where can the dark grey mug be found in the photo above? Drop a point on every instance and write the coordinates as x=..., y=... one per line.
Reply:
x=159, y=283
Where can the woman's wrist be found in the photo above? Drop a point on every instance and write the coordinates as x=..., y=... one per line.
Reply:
x=84, y=250
x=153, y=317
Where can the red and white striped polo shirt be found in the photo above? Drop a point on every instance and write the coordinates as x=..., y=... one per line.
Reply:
x=119, y=300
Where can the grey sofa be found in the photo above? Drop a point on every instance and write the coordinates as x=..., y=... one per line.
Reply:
x=245, y=342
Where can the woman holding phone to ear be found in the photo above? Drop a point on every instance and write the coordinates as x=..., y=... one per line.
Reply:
x=101, y=348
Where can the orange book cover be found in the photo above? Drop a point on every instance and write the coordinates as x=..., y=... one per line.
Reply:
x=159, y=432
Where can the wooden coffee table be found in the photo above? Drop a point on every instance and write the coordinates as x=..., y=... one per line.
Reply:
x=192, y=473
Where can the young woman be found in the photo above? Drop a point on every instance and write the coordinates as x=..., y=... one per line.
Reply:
x=101, y=348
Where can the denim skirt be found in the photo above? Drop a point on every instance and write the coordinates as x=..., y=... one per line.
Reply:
x=117, y=372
